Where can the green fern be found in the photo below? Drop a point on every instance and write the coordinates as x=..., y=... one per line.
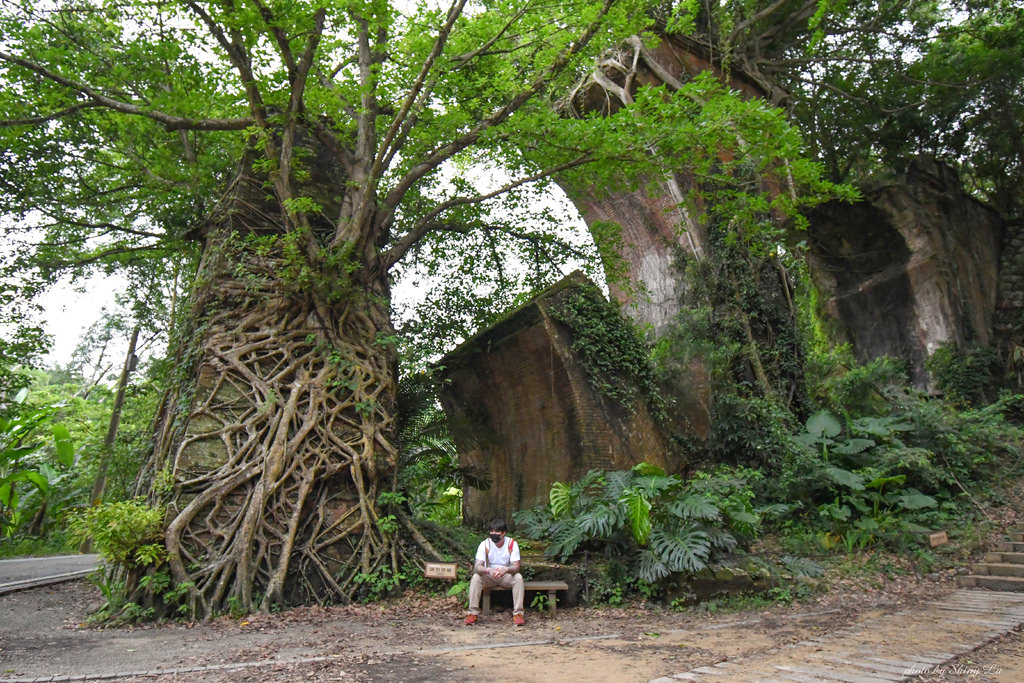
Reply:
x=802, y=566
x=694, y=506
x=682, y=550
x=565, y=541
x=535, y=523
x=561, y=498
x=600, y=521
x=656, y=525
x=616, y=482
x=655, y=485
x=646, y=469
x=650, y=567
x=638, y=512
x=722, y=540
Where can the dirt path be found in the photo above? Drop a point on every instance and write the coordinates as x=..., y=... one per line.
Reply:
x=423, y=639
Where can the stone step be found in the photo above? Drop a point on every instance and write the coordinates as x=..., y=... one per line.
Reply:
x=1015, y=535
x=1010, y=547
x=1005, y=558
x=996, y=583
x=998, y=569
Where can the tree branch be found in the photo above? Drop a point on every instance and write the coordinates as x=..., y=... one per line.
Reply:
x=462, y=59
x=439, y=156
x=280, y=37
x=235, y=49
x=97, y=257
x=169, y=122
x=426, y=224
x=442, y=38
x=31, y=121
x=106, y=228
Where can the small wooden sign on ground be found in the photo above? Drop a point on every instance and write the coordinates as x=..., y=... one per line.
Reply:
x=440, y=570
x=938, y=538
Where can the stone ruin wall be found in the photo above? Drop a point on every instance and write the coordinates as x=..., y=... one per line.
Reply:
x=917, y=264
x=1009, y=317
x=525, y=414
x=914, y=265
x=654, y=227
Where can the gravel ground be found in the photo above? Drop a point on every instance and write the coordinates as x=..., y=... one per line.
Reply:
x=43, y=633
x=418, y=638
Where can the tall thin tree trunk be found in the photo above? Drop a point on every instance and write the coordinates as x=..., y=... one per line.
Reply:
x=107, y=451
x=130, y=362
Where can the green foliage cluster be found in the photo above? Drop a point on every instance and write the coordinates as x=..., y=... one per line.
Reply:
x=737, y=331
x=35, y=468
x=430, y=476
x=22, y=341
x=127, y=533
x=839, y=384
x=870, y=501
x=870, y=460
x=85, y=408
x=653, y=525
x=887, y=478
x=741, y=316
x=610, y=347
x=967, y=378
x=379, y=584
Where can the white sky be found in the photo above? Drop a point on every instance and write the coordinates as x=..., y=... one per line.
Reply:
x=71, y=310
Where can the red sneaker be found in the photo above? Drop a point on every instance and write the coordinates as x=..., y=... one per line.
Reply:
x=518, y=620
x=470, y=619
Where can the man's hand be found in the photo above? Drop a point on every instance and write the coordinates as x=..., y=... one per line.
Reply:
x=498, y=572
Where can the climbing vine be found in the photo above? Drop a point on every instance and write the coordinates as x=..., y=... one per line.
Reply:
x=610, y=348
x=739, y=323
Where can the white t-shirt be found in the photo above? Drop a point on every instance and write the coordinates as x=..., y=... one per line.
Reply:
x=493, y=556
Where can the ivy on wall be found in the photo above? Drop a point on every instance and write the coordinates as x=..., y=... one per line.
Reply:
x=611, y=349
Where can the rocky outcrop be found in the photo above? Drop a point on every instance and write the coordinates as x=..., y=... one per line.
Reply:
x=912, y=266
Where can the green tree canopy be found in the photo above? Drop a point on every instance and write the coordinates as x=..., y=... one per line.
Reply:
x=308, y=147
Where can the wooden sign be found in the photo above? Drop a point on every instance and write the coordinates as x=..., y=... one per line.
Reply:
x=938, y=538
x=440, y=570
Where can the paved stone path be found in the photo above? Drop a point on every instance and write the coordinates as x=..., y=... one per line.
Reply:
x=890, y=647
x=894, y=647
x=30, y=572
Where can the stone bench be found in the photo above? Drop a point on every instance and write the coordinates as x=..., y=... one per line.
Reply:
x=550, y=586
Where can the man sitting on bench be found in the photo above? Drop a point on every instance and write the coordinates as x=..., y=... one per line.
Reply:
x=497, y=564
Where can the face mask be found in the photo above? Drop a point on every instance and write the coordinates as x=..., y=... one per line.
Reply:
x=496, y=538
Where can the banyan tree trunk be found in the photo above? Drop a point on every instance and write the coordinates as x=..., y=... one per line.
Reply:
x=277, y=437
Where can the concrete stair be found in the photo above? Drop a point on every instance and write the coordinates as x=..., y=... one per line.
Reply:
x=1002, y=570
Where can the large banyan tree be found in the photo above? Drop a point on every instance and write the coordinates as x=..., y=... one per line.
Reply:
x=301, y=149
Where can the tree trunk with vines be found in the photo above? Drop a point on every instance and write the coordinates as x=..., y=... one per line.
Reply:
x=277, y=437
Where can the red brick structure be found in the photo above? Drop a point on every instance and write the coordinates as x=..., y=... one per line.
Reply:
x=913, y=265
x=525, y=414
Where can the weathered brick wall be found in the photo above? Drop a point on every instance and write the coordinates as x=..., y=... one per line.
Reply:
x=914, y=265
x=525, y=414
x=1009, y=319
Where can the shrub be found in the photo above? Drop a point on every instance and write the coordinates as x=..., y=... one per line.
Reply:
x=650, y=523
x=128, y=533
x=967, y=378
